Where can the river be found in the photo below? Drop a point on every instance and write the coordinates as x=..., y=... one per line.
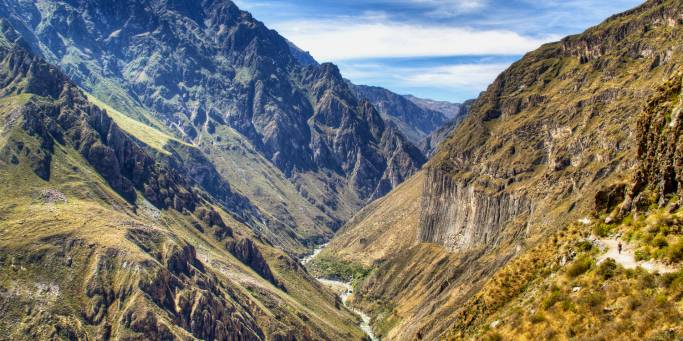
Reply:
x=345, y=290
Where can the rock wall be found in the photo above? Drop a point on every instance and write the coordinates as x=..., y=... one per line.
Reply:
x=462, y=217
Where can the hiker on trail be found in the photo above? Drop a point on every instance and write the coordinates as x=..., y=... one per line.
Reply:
x=620, y=247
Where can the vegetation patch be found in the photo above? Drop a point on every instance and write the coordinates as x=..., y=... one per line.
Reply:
x=330, y=267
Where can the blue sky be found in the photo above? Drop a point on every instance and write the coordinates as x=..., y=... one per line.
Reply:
x=441, y=49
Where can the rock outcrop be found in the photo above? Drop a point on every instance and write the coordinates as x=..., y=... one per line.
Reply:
x=246, y=251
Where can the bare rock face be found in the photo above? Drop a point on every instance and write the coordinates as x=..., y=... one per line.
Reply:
x=246, y=251
x=660, y=149
x=462, y=217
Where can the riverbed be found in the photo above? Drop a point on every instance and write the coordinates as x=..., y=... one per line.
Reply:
x=344, y=290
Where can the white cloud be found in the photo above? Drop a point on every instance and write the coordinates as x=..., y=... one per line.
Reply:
x=446, y=8
x=476, y=76
x=373, y=36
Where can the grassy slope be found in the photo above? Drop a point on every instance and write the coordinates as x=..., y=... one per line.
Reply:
x=96, y=217
x=538, y=296
x=380, y=230
x=148, y=135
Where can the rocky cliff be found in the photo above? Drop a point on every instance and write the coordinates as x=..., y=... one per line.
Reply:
x=460, y=217
x=528, y=140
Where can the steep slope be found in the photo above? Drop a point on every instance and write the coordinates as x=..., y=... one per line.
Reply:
x=379, y=231
x=606, y=299
x=553, y=130
x=101, y=240
x=214, y=77
x=430, y=143
x=415, y=122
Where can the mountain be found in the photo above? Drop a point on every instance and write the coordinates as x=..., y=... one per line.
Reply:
x=569, y=147
x=303, y=57
x=104, y=238
x=430, y=143
x=280, y=130
x=414, y=121
x=451, y=110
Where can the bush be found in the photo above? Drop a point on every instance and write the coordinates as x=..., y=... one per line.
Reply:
x=580, y=266
x=608, y=268
x=584, y=246
x=672, y=279
x=660, y=242
x=602, y=229
x=642, y=254
x=675, y=251
x=555, y=296
x=594, y=299
x=538, y=317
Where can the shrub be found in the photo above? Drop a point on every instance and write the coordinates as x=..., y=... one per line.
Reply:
x=580, y=266
x=593, y=299
x=538, y=317
x=633, y=303
x=660, y=241
x=673, y=279
x=584, y=246
x=675, y=251
x=646, y=280
x=608, y=268
x=555, y=296
x=602, y=229
x=642, y=254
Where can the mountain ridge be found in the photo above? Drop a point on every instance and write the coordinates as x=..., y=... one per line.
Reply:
x=214, y=77
x=552, y=130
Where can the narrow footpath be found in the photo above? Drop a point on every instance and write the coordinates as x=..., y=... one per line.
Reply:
x=627, y=257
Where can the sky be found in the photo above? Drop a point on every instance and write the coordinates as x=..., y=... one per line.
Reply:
x=439, y=49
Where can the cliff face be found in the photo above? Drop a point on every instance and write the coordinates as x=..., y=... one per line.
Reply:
x=460, y=217
x=659, y=149
x=551, y=129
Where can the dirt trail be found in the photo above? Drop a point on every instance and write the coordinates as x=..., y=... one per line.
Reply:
x=627, y=257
